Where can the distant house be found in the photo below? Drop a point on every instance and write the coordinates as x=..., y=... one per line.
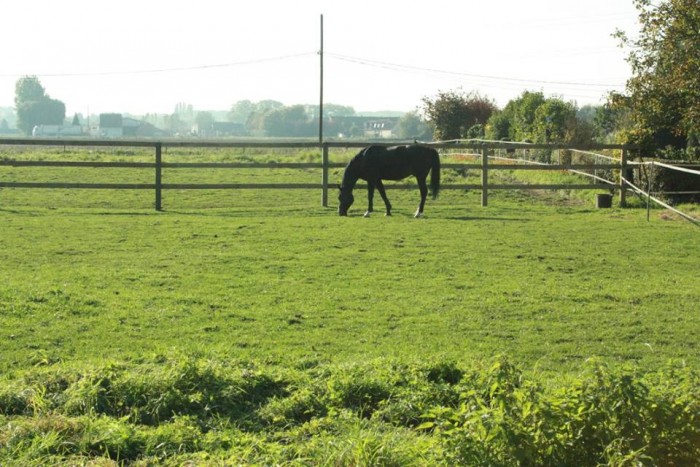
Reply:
x=356, y=126
x=9, y=131
x=57, y=130
x=136, y=128
x=220, y=129
x=381, y=127
x=130, y=126
x=5, y=126
x=111, y=125
x=116, y=126
x=228, y=129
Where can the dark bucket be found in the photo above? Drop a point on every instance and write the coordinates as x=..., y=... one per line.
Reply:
x=603, y=200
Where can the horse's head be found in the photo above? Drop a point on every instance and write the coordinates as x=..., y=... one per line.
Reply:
x=345, y=200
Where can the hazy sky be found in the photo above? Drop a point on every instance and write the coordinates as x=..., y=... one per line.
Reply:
x=142, y=56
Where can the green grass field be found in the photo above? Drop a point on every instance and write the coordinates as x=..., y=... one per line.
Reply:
x=95, y=286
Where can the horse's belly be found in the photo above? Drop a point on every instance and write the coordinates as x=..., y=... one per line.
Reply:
x=395, y=174
x=394, y=177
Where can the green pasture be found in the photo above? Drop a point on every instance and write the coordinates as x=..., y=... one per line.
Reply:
x=96, y=279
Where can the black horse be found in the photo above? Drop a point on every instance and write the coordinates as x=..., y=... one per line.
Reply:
x=377, y=163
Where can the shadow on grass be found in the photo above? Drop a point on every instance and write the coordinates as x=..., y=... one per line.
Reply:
x=301, y=212
x=483, y=218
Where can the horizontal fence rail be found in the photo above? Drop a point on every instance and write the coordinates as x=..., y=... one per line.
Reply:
x=482, y=151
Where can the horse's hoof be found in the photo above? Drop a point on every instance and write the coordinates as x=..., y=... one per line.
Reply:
x=367, y=214
x=418, y=215
x=388, y=214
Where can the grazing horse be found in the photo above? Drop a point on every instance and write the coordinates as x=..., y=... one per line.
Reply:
x=376, y=163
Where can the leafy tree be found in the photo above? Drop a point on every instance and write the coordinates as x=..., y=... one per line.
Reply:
x=534, y=118
x=499, y=127
x=298, y=121
x=476, y=132
x=555, y=120
x=204, y=120
x=268, y=104
x=411, y=126
x=336, y=110
x=240, y=111
x=27, y=89
x=257, y=116
x=35, y=107
x=587, y=113
x=613, y=119
x=288, y=121
x=274, y=123
x=330, y=111
x=522, y=114
x=453, y=113
x=587, y=123
x=664, y=91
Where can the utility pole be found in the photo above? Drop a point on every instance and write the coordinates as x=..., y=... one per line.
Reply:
x=320, y=104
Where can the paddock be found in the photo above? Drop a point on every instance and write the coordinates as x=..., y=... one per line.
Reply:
x=606, y=169
x=485, y=152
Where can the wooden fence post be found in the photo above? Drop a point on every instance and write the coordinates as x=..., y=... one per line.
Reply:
x=484, y=177
x=623, y=174
x=159, y=166
x=324, y=176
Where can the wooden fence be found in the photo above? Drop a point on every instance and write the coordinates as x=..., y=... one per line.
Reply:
x=484, y=151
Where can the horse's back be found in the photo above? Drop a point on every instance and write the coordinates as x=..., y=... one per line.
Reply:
x=420, y=158
x=394, y=163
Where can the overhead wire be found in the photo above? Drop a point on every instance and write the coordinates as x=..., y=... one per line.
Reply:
x=166, y=69
x=572, y=88
x=341, y=57
x=396, y=66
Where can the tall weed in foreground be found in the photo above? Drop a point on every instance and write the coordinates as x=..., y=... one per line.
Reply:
x=605, y=417
x=181, y=409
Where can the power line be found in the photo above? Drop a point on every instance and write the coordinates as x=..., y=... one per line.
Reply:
x=166, y=70
x=395, y=66
x=346, y=58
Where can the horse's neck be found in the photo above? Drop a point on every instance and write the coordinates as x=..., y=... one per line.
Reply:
x=349, y=182
x=350, y=177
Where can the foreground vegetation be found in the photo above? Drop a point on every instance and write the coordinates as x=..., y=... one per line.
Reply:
x=383, y=412
x=259, y=328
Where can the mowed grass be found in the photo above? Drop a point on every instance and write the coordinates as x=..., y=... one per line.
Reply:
x=89, y=276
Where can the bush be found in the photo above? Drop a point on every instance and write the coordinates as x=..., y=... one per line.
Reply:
x=606, y=417
x=668, y=180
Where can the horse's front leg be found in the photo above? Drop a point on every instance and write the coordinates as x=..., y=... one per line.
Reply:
x=370, y=198
x=423, y=195
x=382, y=192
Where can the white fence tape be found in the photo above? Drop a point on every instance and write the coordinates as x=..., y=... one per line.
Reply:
x=658, y=201
x=680, y=169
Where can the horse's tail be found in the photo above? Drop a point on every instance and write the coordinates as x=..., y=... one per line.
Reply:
x=435, y=174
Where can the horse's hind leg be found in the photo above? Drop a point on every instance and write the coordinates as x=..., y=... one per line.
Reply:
x=380, y=187
x=423, y=195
